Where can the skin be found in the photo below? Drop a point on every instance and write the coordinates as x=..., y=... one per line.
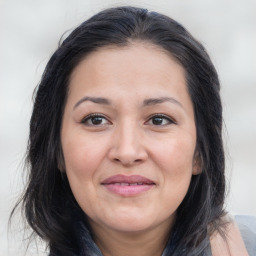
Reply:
x=233, y=244
x=127, y=140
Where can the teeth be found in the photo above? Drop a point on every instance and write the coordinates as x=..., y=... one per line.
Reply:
x=128, y=184
x=124, y=184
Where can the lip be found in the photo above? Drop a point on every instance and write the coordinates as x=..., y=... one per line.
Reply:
x=128, y=185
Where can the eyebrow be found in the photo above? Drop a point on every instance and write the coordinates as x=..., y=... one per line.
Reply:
x=155, y=101
x=97, y=100
x=146, y=102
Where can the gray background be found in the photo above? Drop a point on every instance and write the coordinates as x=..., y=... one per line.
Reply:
x=29, y=33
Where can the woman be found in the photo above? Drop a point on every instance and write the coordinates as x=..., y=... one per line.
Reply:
x=125, y=149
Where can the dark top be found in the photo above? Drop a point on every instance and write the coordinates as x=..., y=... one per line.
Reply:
x=246, y=224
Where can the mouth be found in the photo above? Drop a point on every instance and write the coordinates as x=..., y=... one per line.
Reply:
x=128, y=185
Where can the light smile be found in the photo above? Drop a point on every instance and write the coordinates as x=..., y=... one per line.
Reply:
x=128, y=185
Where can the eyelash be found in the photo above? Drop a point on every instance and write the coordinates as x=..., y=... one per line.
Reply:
x=91, y=116
x=169, y=119
x=87, y=118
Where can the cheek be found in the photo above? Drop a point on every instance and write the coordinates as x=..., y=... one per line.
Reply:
x=175, y=156
x=82, y=158
x=82, y=155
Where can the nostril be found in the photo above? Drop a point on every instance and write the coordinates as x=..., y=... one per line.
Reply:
x=127, y=155
x=126, y=162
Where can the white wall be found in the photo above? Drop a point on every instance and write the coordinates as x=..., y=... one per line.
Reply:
x=29, y=33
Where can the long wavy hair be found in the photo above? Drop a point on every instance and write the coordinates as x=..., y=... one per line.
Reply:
x=48, y=203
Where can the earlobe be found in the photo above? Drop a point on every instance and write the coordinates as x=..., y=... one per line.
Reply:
x=197, y=164
x=60, y=161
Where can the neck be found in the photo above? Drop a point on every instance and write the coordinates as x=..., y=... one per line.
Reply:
x=146, y=243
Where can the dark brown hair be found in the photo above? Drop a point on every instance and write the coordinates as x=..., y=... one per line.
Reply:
x=48, y=203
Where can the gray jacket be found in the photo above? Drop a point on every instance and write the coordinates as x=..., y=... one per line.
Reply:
x=246, y=224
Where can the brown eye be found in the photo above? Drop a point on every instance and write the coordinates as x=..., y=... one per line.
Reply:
x=160, y=120
x=95, y=120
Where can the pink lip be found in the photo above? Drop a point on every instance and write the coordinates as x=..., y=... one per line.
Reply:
x=128, y=185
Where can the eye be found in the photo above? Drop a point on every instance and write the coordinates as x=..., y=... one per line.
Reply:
x=95, y=120
x=160, y=120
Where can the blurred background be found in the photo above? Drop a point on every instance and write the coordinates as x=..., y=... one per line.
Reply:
x=29, y=34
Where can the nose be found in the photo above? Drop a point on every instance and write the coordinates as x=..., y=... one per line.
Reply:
x=128, y=146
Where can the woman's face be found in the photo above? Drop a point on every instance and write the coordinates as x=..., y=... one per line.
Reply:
x=128, y=137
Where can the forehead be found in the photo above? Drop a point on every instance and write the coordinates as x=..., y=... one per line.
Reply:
x=128, y=76
x=136, y=63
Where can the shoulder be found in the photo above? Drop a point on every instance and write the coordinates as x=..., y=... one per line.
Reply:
x=247, y=228
x=228, y=239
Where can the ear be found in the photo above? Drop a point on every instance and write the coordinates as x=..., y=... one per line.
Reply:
x=60, y=161
x=197, y=163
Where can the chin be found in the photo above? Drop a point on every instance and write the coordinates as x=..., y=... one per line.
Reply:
x=131, y=222
x=131, y=226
